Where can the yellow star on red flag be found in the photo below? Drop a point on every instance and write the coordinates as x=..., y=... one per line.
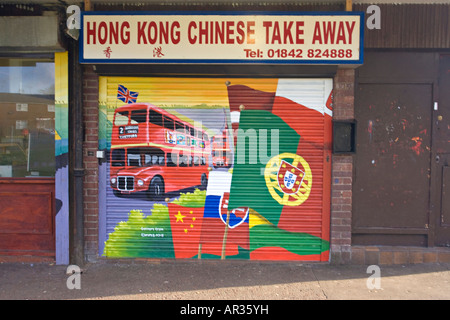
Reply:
x=179, y=217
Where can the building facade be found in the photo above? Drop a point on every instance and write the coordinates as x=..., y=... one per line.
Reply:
x=333, y=153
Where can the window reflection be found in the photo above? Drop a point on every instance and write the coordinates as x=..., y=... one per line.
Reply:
x=27, y=122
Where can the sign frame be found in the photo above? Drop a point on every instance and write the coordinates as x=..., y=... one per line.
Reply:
x=249, y=61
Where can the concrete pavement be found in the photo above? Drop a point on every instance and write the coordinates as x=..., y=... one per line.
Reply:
x=224, y=280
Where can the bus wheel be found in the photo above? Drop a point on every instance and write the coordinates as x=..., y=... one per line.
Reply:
x=156, y=189
x=204, y=180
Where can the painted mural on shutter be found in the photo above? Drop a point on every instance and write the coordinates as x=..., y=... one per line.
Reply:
x=208, y=168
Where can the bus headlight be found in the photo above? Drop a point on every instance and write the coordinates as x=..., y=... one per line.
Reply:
x=140, y=183
x=113, y=181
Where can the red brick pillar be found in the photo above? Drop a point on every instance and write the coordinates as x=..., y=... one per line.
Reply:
x=342, y=172
x=90, y=146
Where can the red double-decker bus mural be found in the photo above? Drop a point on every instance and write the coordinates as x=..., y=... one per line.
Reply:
x=152, y=148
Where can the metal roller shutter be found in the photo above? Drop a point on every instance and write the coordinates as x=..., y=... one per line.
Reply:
x=214, y=168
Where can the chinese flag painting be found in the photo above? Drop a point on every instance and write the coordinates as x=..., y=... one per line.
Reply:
x=186, y=224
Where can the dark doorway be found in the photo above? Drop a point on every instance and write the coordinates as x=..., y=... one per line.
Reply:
x=391, y=190
x=402, y=177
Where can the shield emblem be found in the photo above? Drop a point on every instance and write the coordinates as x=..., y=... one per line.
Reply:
x=237, y=216
x=290, y=178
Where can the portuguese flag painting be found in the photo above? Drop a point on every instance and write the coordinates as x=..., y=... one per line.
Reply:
x=257, y=129
x=272, y=178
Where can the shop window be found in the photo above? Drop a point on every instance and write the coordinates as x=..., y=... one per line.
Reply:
x=27, y=124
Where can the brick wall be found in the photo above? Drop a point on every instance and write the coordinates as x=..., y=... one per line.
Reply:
x=90, y=146
x=342, y=172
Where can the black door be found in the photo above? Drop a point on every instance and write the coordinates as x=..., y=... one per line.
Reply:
x=392, y=173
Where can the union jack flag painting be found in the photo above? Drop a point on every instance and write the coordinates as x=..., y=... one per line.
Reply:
x=126, y=95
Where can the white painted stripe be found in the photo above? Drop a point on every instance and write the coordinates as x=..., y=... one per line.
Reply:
x=218, y=183
x=235, y=115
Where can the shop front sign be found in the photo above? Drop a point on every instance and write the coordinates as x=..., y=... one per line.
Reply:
x=222, y=38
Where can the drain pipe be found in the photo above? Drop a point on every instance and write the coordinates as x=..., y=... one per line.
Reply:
x=76, y=169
